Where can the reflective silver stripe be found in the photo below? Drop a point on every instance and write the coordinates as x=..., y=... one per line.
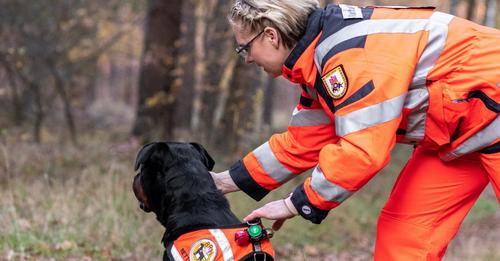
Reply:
x=438, y=32
x=307, y=117
x=418, y=96
x=418, y=101
x=175, y=254
x=327, y=189
x=366, y=27
x=437, y=25
x=223, y=243
x=415, y=98
x=478, y=141
x=369, y=116
x=271, y=165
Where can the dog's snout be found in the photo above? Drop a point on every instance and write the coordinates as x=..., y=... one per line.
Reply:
x=139, y=193
x=136, y=184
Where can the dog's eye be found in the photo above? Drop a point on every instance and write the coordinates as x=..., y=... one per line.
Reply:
x=144, y=207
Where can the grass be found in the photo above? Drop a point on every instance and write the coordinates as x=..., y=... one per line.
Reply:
x=62, y=202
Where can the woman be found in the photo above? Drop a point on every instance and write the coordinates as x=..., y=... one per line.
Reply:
x=372, y=77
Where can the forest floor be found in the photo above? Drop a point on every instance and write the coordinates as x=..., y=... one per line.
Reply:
x=61, y=202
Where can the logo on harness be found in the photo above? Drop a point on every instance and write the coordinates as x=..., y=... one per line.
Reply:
x=203, y=250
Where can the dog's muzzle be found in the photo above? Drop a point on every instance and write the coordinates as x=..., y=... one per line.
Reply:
x=139, y=193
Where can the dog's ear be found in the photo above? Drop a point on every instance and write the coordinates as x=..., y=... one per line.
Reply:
x=205, y=157
x=143, y=154
x=156, y=153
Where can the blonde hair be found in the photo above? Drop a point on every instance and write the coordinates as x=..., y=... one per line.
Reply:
x=289, y=17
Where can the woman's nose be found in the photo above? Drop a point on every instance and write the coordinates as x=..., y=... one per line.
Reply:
x=248, y=59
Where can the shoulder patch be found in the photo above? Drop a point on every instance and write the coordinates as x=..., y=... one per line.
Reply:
x=203, y=250
x=336, y=82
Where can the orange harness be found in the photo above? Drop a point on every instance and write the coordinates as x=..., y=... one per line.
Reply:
x=216, y=244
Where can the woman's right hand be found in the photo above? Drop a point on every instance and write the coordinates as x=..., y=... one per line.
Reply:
x=224, y=182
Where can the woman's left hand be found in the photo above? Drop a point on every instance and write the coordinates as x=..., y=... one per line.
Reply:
x=279, y=210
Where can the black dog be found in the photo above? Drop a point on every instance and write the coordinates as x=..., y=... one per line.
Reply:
x=174, y=182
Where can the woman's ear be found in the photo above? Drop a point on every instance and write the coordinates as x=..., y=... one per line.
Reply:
x=272, y=35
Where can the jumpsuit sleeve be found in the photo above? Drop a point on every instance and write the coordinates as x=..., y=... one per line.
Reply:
x=368, y=93
x=287, y=154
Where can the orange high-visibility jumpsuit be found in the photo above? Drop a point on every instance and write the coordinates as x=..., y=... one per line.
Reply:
x=375, y=76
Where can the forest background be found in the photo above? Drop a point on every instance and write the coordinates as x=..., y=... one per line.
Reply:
x=83, y=83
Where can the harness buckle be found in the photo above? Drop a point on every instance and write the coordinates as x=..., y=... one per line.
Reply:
x=253, y=234
x=256, y=255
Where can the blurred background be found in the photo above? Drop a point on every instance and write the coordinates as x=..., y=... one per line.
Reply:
x=84, y=83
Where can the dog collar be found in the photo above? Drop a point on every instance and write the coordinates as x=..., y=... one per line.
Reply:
x=239, y=242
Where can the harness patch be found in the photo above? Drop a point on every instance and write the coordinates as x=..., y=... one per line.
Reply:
x=203, y=250
x=336, y=82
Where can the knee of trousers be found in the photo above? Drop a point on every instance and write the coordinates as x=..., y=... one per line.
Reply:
x=399, y=239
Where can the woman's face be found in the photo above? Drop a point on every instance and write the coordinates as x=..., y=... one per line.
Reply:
x=266, y=49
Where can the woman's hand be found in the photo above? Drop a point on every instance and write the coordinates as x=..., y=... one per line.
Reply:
x=224, y=182
x=279, y=210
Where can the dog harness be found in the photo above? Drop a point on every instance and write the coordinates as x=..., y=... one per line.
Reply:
x=240, y=242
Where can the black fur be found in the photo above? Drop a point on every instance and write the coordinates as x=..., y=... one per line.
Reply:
x=177, y=186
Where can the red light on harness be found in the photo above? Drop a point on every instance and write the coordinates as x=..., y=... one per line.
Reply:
x=242, y=238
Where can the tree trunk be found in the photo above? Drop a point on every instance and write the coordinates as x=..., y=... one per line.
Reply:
x=497, y=18
x=61, y=91
x=258, y=105
x=237, y=124
x=490, y=14
x=128, y=93
x=267, y=116
x=16, y=102
x=471, y=8
x=225, y=81
x=39, y=113
x=35, y=89
x=184, y=70
x=157, y=90
x=91, y=84
x=203, y=11
x=17, y=106
x=454, y=6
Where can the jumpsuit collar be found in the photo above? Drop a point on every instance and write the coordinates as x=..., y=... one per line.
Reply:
x=314, y=27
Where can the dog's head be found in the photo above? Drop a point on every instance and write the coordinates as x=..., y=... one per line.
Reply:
x=163, y=168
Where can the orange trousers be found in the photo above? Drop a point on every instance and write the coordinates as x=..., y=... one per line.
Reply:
x=429, y=202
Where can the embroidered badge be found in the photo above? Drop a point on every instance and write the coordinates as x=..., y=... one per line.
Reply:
x=203, y=250
x=336, y=82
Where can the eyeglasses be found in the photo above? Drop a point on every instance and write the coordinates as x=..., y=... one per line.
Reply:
x=242, y=50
